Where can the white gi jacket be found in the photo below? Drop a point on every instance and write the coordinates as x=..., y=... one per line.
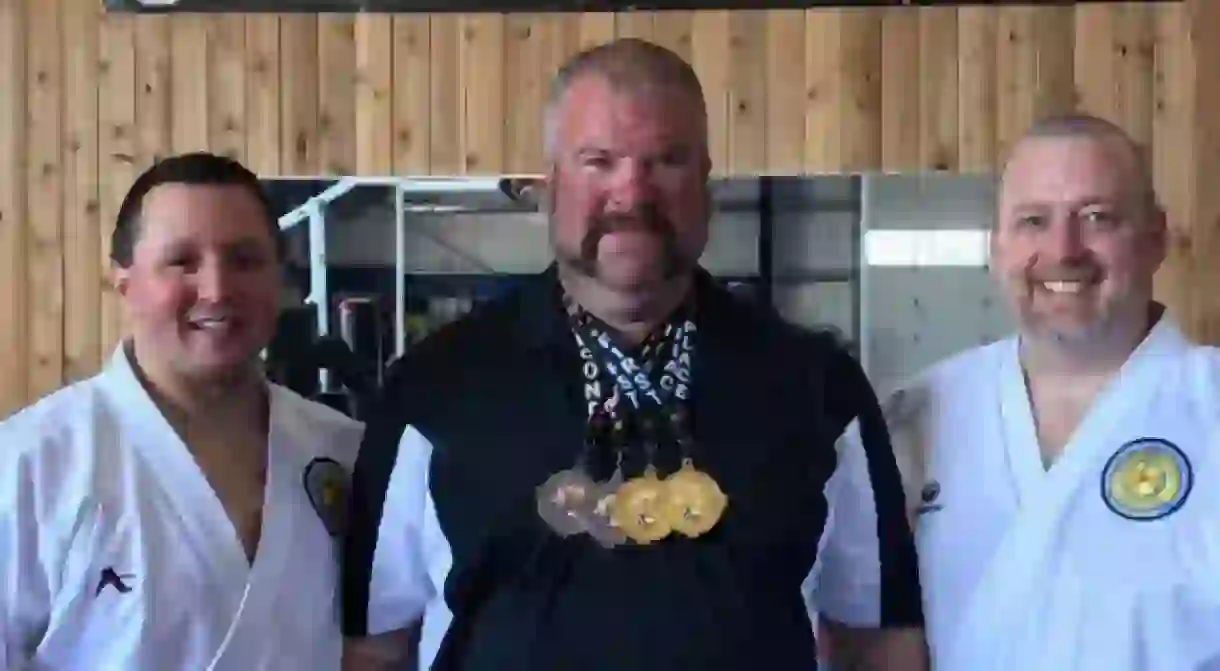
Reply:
x=1107, y=561
x=117, y=555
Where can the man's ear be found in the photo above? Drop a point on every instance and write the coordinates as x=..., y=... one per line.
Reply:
x=120, y=278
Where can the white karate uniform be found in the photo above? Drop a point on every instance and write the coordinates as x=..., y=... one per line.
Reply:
x=117, y=555
x=1025, y=568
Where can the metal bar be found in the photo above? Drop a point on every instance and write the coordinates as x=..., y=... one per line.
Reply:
x=303, y=212
x=862, y=186
x=400, y=272
x=812, y=276
x=319, y=294
x=424, y=185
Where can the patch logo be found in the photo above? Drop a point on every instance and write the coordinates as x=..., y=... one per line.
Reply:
x=1147, y=479
x=326, y=483
x=927, y=498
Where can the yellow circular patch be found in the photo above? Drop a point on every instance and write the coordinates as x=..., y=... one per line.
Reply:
x=1146, y=479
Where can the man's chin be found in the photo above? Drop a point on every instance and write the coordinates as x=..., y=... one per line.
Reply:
x=627, y=278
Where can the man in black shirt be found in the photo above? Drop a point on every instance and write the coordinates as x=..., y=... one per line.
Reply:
x=621, y=466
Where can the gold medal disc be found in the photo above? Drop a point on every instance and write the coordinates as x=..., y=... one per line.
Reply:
x=694, y=502
x=638, y=508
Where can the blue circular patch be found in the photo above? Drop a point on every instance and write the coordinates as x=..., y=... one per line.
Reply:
x=1146, y=479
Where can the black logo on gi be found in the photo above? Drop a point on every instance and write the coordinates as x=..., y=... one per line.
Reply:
x=326, y=483
x=112, y=579
x=927, y=498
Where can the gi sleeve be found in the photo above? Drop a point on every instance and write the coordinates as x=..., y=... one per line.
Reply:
x=25, y=598
x=385, y=580
x=868, y=572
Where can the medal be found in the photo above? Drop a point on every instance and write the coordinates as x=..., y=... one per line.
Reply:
x=633, y=383
x=639, y=508
x=565, y=501
x=601, y=525
x=693, y=502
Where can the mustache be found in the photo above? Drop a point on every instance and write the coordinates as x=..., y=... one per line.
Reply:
x=1084, y=270
x=648, y=220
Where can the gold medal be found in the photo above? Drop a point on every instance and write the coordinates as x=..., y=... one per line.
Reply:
x=638, y=508
x=565, y=501
x=693, y=501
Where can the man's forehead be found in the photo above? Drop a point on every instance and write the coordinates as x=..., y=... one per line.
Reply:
x=639, y=114
x=218, y=209
x=1071, y=167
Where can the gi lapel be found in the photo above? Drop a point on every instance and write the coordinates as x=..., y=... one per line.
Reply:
x=1002, y=608
x=284, y=506
x=180, y=483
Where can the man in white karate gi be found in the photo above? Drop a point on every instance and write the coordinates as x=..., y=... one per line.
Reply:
x=1065, y=481
x=176, y=512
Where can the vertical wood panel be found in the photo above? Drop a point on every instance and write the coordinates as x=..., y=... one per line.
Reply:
x=710, y=59
x=860, y=72
x=299, y=150
x=82, y=271
x=1173, y=156
x=1204, y=19
x=976, y=85
x=900, y=61
x=481, y=93
x=44, y=182
x=1095, y=72
x=226, y=87
x=596, y=28
x=154, y=92
x=1054, y=38
x=189, y=44
x=823, y=90
x=13, y=342
x=672, y=30
x=1016, y=75
x=524, y=72
x=411, y=95
x=445, y=112
x=785, y=88
x=1134, y=35
x=337, y=94
x=747, y=92
x=938, y=111
x=640, y=25
x=374, y=102
x=263, y=93
x=116, y=149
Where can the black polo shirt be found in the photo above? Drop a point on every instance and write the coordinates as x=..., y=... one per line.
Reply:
x=470, y=422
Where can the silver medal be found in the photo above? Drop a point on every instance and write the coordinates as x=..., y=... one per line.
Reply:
x=565, y=501
x=601, y=525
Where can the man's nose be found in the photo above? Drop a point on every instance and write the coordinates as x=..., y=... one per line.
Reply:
x=1064, y=240
x=215, y=280
x=631, y=187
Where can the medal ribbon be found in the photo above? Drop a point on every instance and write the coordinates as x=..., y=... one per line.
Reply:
x=619, y=383
x=629, y=393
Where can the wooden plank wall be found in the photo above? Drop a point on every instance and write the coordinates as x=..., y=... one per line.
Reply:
x=88, y=99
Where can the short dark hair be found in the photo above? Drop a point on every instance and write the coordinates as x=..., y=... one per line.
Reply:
x=201, y=168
